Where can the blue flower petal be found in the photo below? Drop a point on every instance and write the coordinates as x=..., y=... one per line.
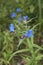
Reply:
x=25, y=17
x=26, y=34
x=18, y=10
x=13, y=14
x=11, y=27
x=29, y=33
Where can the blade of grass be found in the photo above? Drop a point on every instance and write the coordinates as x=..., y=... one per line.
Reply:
x=20, y=51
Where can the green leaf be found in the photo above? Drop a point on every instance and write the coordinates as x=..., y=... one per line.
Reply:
x=37, y=46
x=39, y=57
x=19, y=51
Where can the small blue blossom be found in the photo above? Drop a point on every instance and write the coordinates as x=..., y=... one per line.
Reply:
x=29, y=33
x=25, y=18
x=13, y=14
x=20, y=19
x=11, y=27
x=18, y=10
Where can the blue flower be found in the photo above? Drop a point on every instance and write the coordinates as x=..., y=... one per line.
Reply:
x=13, y=14
x=11, y=27
x=18, y=10
x=25, y=18
x=20, y=19
x=29, y=33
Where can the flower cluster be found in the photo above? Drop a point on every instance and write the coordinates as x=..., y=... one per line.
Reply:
x=21, y=18
x=28, y=33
